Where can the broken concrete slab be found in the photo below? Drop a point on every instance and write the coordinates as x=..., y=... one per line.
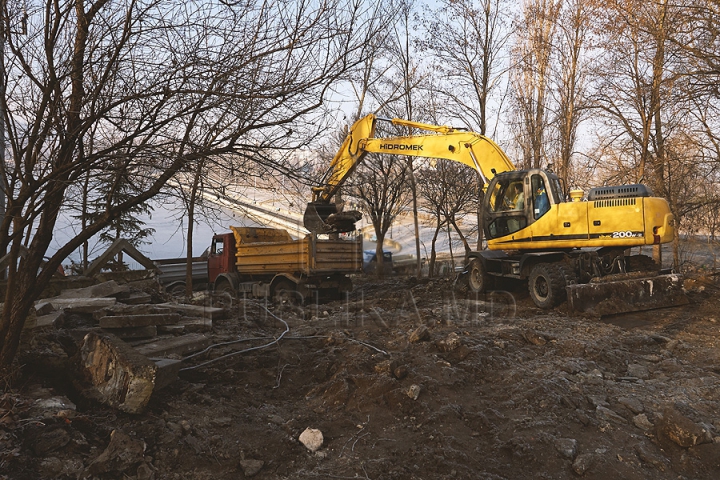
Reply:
x=51, y=319
x=81, y=305
x=213, y=313
x=132, y=333
x=196, y=324
x=122, y=309
x=171, y=329
x=182, y=345
x=139, y=320
x=167, y=371
x=44, y=308
x=135, y=298
x=116, y=373
x=105, y=289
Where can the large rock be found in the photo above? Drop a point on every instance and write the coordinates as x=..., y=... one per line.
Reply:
x=117, y=374
x=681, y=429
x=122, y=453
x=312, y=438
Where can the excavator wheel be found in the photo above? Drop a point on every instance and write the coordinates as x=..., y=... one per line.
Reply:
x=547, y=284
x=478, y=280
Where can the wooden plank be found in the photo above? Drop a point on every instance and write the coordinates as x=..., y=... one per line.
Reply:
x=119, y=245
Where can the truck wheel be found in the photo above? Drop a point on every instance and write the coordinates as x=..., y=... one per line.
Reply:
x=224, y=295
x=177, y=290
x=284, y=292
x=478, y=278
x=547, y=285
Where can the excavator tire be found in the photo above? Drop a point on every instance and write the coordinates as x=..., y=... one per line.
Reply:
x=478, y=280
x=547, y=284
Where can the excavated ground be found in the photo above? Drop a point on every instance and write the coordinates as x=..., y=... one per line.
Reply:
x=405, y=380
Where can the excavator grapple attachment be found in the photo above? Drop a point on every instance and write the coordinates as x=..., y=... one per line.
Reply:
x=626, y=295
x=324, y=218
x=316, y=215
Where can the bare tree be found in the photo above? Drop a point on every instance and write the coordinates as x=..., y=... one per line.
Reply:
x=635, y=76
x=530, y=77
x=159, y=86
x=571, y=78
x=380, y=186
x=467, y=40
x=408, y=77
x=449, y=193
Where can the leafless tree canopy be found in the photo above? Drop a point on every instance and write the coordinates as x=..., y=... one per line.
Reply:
x=148, y=87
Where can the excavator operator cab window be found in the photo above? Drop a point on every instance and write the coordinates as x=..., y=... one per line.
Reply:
x=496, y=196
x=507, y=200
x=507, y=195
x=541, y=203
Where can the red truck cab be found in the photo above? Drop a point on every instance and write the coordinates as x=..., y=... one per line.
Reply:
x=222, y=256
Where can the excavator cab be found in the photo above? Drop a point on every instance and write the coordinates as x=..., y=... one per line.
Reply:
x=516, y=200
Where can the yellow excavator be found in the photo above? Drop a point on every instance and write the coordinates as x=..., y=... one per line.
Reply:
x=574, y=248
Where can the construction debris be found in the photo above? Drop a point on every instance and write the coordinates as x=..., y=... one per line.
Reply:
x=609, y=298
x=118, y=375
x=123, y=358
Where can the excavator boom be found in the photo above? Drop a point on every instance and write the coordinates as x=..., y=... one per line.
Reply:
x=474, y=150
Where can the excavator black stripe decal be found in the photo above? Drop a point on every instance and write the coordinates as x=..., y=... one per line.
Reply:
x=558, y=238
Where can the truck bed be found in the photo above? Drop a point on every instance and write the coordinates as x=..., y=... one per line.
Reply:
x=264, y=251
x=173, y=270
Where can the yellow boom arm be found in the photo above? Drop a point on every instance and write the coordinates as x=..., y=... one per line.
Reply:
x=474, y=150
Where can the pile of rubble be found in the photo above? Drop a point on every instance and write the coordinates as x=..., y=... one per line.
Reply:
x=126, y=346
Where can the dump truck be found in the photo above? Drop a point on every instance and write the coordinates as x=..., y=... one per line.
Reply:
x=565, y=246
x=173, y=271
x=268, y=262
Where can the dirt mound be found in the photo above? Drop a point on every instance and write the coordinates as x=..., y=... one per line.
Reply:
x=404, y=380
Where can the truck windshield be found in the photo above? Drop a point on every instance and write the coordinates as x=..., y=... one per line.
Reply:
x=217, y=246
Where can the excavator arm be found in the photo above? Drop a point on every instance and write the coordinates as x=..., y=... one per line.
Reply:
x=474, y=150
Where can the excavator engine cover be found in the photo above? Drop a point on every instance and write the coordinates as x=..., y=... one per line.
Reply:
x=626, y=295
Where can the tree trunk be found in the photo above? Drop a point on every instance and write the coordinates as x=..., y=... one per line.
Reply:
x=433, y=253
x=413, y=188
x=190, y=231
x=379, y=257
x=452, y=257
